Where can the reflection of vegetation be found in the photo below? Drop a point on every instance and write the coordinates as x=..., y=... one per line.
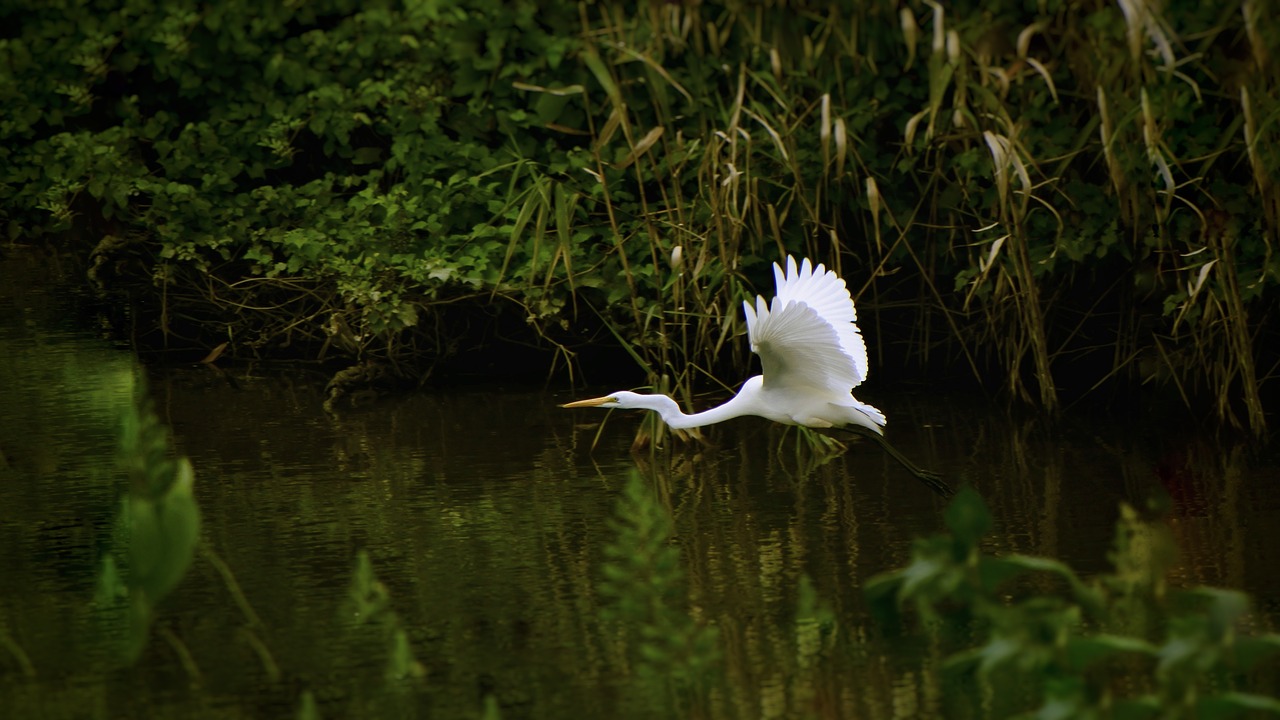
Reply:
x=489, y=547
x=1122, y=647
x=156, y=531
x=15, y=651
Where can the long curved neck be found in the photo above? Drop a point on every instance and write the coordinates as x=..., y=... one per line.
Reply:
x=674, y=417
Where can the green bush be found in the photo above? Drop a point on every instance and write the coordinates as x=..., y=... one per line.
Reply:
x=1018, y=185
x=1122, y=646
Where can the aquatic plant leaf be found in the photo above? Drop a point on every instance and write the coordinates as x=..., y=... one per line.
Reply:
x=178, y=518
x=142, y=530
x=401, y=664
x=1189, y=648
x=963, y=659
x=1231, y=704
x=1142, y=552
x=1224, y=607
x=307, y=709
x=367, y=597
x=933, y=572
x=138, y=627
x=155, y=533
x=998, y=652
x=1250, y=650
x=111, y=587
x=1065, y=699
x=881, y=592
x=967, y=516
x=1140, y=708
x=1084, y=651
x=645, y=590
x=162, y=535
x=995, y=571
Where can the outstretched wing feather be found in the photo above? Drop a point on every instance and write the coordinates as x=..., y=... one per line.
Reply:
x=798, y=348
x=839, y=359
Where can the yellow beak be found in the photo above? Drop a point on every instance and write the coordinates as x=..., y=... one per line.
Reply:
x=593, y=402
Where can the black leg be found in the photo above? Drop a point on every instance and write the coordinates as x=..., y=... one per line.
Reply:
x=928, y=477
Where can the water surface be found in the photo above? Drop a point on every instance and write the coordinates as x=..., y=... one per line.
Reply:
x=484, y=513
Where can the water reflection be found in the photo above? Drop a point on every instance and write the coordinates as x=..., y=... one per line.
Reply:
x=484, y=514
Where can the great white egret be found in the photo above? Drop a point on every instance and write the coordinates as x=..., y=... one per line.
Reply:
x=812, y=355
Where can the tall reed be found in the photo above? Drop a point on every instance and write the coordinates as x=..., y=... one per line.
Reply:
x=1041, y=185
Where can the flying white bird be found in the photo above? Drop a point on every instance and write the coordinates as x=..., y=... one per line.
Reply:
x=812, y=355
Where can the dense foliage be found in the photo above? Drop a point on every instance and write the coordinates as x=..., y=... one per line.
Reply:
x=1000, y=634
x=1009, y=187
x=1123, y=646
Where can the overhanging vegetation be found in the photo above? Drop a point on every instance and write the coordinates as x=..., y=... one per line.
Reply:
x=1014, y=189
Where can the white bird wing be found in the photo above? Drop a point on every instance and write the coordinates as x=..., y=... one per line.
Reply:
x=808, y=337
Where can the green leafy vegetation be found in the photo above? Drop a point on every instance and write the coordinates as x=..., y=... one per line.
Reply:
x=672, y=654
x=155, y=534
x=1010, y=188
x=369, y=604
x=727, y=584
x=999, y=634
x=1122, y=646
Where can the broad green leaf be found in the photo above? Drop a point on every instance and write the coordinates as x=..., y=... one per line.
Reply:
x=1251, y=650
x=967, y=516
x=1233, y=704
x=1083, y=651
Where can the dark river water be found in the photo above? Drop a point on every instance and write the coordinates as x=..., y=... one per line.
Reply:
x=485, y=514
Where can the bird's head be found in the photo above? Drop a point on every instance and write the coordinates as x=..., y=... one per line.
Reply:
x=622, y=399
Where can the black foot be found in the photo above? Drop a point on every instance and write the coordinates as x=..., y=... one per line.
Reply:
x=935, y=482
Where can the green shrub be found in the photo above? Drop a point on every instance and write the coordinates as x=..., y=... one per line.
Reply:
x=1020, y=186
x=1123, y=646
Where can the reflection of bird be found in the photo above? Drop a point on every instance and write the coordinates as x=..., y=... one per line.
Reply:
x=813, y=356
